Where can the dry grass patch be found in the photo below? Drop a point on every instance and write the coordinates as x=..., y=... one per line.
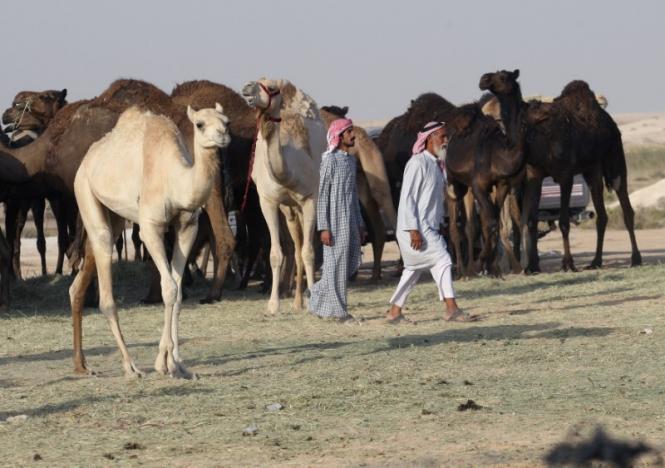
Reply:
x=552, y=352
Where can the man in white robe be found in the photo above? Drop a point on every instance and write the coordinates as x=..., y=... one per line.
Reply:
x=420, y=219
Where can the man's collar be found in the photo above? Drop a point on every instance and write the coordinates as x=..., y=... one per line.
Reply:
x=427, y=153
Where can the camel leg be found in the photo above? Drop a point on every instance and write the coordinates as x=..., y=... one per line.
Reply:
x=378, y=238
x=532, y=191
x=503, y=201
x=102, y=227
x=453, y=226
x=38, y=206
x=294, y=226
x=205, y=258
x=77, y=299
x=63, y=235
x=309, y=227
x=136, y=240
x=470, y=233
x=271, y=214
x=119, y=245
x=20, y=225
x=223, y=241
x=185, y=235
x=5, y=267
x=375, y=223
x=153, y=238
x=13, y=218
x=564, y=223
x=629, y=221
x=515, y=216
x=595, y=182
x=488, y=225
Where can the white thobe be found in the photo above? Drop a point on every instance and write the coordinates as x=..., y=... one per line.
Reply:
x=421, y=208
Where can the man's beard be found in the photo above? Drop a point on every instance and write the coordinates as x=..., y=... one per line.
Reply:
x=440, y=152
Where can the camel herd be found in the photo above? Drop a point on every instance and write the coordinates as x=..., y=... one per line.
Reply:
x=135, y=153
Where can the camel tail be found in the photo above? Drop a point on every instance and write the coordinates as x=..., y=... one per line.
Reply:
x=76, y=250
x=614, y=168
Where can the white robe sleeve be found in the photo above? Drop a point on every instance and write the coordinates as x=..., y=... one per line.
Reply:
x=411, y=186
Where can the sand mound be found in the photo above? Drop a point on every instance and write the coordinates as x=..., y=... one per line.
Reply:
x=646, y=197
x=642, y=129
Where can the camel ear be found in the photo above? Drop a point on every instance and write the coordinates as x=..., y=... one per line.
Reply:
x=516, y=73
x=220, y=113
x=190, y=113
x=62, y=96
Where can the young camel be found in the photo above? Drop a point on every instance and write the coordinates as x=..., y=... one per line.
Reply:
x=161, y=184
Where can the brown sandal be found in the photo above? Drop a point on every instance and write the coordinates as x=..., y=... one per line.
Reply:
x=460, y=316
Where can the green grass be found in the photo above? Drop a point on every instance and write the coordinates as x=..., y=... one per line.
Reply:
x=553, y=354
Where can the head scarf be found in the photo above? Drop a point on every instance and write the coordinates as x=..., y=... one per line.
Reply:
x=427, y=130
x=337, y=127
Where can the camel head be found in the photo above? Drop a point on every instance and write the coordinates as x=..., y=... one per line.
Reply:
x=577, y=97
x=502, y=82
x=32, y=111
x=264, y=95
x=211, y=127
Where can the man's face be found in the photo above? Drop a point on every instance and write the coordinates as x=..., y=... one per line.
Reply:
x=439, y=139
x=348, y=138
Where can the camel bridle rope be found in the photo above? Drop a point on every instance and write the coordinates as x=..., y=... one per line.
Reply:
x=262, y=112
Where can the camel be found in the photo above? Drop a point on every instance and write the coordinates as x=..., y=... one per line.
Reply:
x=163, y=185
x=57, y=153
x=573, y=135
x=399, y=135
x=480, y=157
x=31, y=112
x=478, y=154
x=373, y=186
x=289, y=143
x=233, y=177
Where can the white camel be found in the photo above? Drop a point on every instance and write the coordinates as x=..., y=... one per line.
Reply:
x=290, y=140
x=142, y=171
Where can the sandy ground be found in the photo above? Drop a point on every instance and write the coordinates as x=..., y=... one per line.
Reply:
x=583, y=243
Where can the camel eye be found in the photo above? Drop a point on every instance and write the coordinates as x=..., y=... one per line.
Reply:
x=199, y=125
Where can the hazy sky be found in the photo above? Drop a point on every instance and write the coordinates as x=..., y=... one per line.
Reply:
x=372, y=56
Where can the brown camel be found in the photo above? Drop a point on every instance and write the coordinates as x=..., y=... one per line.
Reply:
x=480, y=157
x=30, y=114
x=373, y=187
x=399, y=135
x=574, y=135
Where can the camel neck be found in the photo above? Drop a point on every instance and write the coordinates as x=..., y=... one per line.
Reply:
x=201, y=173
x=511, y=113
x=18, y=165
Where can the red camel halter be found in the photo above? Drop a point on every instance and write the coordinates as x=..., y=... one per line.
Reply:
x=271, y=95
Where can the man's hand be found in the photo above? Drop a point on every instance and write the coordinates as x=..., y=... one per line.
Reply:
x=326, y=238
x=416, y=239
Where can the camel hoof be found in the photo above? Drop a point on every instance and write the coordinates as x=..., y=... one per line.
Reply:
x=85, y=371
x=594, y=266
x=273, y=308
x=133, y=372
x=636, y=259
x=180, y=372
